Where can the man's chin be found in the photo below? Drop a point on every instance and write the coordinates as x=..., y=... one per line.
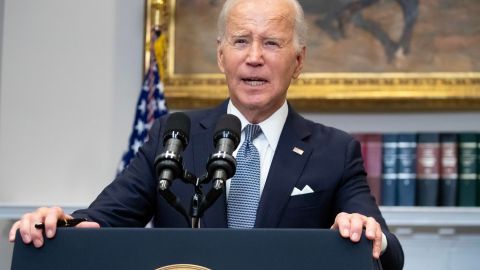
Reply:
x=260, y=107
x=255, y=104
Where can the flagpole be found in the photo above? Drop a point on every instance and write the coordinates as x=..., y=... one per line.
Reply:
x=151, y=102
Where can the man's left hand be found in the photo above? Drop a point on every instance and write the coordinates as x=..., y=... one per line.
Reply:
x=352, y=225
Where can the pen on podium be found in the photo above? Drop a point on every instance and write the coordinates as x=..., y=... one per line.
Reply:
x=63, y=223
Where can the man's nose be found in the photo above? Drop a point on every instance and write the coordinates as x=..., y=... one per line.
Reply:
x=255, y=54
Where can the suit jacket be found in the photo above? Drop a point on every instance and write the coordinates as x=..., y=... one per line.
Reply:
x=331, y=164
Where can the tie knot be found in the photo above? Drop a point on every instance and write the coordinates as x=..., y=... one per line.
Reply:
x=251, y=132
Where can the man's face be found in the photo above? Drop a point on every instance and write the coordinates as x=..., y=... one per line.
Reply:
x=258, y=56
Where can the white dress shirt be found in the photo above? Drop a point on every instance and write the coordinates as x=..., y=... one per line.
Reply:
x=266, y=142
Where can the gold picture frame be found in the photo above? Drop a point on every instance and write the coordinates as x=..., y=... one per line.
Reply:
x=324, y=91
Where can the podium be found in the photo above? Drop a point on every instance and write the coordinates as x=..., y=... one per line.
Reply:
x=140, y=248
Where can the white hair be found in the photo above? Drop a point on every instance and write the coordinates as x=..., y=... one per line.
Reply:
x=300, y=28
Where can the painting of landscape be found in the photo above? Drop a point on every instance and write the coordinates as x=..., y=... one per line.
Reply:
x=352, y=36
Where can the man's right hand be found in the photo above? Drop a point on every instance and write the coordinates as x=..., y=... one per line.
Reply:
x=47, y=216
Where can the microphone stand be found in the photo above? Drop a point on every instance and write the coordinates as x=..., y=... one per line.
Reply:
x=196, y=202
x=199, y=202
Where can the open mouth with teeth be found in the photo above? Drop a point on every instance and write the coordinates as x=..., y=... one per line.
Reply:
x=254, y=81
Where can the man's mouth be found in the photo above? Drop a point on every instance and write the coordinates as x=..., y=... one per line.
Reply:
x=254, y=81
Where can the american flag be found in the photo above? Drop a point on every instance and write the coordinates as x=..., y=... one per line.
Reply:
x=151, y=102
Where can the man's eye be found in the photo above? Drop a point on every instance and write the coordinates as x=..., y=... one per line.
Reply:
x=272, y=44
x=240, y=41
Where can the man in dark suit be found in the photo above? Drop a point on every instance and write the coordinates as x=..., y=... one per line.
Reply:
x=310, y=175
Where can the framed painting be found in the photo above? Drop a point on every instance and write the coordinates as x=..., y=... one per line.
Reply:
x=362, y=55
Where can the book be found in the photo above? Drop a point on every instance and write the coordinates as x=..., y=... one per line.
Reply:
x=360, y=137
x=448, y=169
x=407, y=161
x=467, y=169
x=428, y=168
x=389, y=169
x=373, y=163
x=371, y=147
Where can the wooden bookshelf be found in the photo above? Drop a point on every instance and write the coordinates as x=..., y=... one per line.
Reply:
x=441, y=217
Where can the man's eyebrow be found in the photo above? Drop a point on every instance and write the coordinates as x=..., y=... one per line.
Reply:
x=273, y=38
x=240, y=34
x=234, y=37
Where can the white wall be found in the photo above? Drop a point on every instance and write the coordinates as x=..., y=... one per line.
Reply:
x=2, y=4
x=71, y=72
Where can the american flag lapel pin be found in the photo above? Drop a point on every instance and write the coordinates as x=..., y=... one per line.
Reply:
x=298, y=151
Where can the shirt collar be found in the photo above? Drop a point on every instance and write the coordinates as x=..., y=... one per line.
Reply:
x=271, y=127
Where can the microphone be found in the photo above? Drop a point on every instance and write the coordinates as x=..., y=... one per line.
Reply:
x=168, y=165
x=221, y=164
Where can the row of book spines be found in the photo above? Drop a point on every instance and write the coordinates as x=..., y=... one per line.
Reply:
x=440, y=157
x=418, y=161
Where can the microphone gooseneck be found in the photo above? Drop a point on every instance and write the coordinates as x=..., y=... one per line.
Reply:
x=222, y=165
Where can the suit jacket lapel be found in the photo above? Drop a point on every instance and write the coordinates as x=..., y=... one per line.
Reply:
x=281, y=181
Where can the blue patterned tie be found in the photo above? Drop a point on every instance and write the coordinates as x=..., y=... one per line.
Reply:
x=244, y=193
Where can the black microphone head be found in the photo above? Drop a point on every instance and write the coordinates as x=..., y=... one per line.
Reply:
x=228, y=126
x=178, y=126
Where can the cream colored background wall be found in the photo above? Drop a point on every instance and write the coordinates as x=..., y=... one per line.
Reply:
x=71, y=72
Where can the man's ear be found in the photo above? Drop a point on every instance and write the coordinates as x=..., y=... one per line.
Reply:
x=220, y=55
x=299, y=63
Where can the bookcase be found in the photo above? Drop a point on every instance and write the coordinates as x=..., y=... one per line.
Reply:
x=423, y=168
x=428, y=184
